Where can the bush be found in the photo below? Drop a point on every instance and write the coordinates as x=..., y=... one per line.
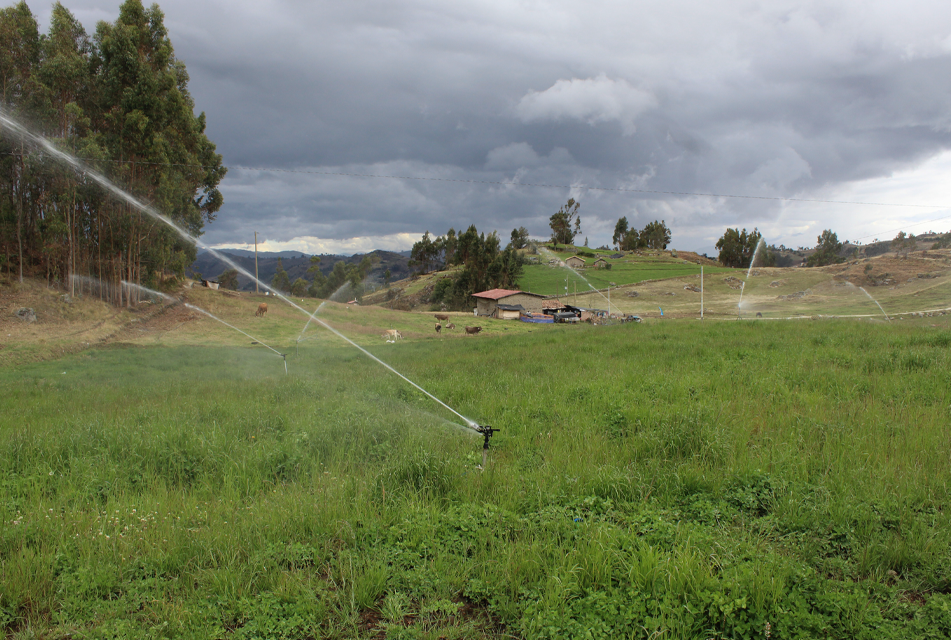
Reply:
x=442, y=291
x=299, y=288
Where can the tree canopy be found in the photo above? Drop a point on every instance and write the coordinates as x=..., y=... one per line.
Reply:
x=904, y=243
x=229, y=279
x=737, y=248
x=827, y=250
x=566, y=223
x=485, y=265
x=120, y=101
x=519, y=239
x=425, y=253
x=655, y=235
x=620, y=230
x=281, y=281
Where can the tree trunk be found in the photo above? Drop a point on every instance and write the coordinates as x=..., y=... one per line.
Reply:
x=70, y=219
x=19, y=186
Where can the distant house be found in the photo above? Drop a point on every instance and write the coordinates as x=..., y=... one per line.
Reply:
x=508, y=311
x=575, y=262
x=600, y=263
x=505, y=303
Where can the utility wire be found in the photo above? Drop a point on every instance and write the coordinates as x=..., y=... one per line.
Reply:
x=914, y=224
x=534, y=184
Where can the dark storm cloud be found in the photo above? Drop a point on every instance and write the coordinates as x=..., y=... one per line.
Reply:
x=793, y=99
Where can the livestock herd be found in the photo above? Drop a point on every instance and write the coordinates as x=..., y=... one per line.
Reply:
x=392, y=335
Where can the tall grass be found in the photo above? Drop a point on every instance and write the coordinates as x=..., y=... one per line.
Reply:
x=661, y=480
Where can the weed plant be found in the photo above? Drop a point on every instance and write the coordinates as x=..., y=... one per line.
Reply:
x=727, y=480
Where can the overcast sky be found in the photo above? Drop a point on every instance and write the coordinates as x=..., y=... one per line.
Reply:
x=845, y=101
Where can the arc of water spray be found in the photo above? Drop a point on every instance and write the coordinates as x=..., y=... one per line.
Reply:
x=739, y=305
x=876, y=302
x=862, y=289
x=23, y=132
x=317, y=310
x=213, y=317
x=590, y=286
x=207, y=313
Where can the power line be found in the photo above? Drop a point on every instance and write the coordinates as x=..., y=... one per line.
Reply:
x=913, y=224
x=620, y=189
x=534, y=184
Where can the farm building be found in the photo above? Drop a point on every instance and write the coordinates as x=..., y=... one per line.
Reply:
x=575, y=262
x=508, y=311
x=490, y=303
x=600, y=263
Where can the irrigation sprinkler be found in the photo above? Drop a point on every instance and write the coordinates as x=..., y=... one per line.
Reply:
x=23, y=133
x=486, y=432
x=171, y=300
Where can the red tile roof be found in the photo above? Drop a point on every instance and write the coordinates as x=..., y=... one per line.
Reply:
x=495, y=294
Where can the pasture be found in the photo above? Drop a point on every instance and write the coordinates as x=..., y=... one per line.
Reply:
x=661, y=480
x=550, y=280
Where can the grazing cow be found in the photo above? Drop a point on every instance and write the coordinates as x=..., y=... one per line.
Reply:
x=438, y=327
x=262, y=310
x=392, y=334
x=759, y=315
x=442, y=316
x=473, y=330
x=450, y=326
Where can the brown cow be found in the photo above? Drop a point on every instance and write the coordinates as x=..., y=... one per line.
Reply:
x=438, y=327
x=473, y=330
x=392, y=335
x=442, y=316
x=450, y=326
x=262, y=310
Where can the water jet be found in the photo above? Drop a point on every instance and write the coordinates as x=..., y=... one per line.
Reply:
x=590, y=286
x=739, y=305
x=7, y=122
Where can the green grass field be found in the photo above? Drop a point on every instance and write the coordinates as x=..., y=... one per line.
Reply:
x=551, y=280
x=663, y=480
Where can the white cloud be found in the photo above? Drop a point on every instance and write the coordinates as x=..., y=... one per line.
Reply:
x=348, y=246
x=591, y=100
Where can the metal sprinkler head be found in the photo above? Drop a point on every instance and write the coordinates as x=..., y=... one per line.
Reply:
x=487, y=432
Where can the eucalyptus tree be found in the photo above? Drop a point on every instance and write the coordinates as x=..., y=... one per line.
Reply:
x=620, y=230
x=19, y=53
x=119, y=100
x=145, y=116
x=566, y=223
x=737, y=248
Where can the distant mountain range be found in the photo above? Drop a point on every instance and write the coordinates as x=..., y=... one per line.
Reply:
x=296, y=264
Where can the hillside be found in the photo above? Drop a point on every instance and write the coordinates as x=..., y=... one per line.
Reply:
x=296, y=264
x=919, y=284
x=648, y=283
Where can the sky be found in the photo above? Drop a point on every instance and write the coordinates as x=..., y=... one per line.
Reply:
x=471, y=104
